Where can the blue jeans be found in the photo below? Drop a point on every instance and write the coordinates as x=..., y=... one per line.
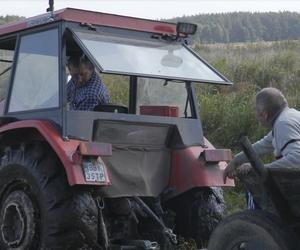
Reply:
x=250, y=200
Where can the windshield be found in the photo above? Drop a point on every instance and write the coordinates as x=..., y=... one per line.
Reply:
x=159, y=93
x=155, y=58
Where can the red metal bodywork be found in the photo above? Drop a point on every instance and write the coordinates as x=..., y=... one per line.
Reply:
x=67, y=151
x=216, y=155
x=96, y=18
x=171, y=111
x=190, y=169
x=95, y=149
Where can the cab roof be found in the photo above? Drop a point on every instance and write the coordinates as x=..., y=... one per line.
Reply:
x=94, y=18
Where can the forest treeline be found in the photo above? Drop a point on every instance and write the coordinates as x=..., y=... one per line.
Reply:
x=244, y=26
x=9, y=18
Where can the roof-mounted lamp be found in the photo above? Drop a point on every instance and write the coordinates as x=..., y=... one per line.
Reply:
x=186, y=29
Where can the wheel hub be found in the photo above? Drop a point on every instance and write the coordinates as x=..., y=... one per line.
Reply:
x=17, y=216
x=13, y=225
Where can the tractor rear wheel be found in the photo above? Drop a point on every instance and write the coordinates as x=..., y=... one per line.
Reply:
x=208, y=209
x=38, y=208
x=252, y=230
x=198, y=213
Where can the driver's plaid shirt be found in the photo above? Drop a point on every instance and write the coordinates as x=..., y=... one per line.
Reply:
x=89, y=95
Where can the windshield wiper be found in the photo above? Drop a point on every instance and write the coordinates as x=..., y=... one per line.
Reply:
x=6, y=61
x=187, y=101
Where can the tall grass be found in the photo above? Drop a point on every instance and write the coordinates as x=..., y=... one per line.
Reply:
x=228, y=112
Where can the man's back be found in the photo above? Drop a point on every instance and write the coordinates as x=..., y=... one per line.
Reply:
x=286, y=135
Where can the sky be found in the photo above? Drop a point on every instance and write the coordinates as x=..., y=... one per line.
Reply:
x=154, y=9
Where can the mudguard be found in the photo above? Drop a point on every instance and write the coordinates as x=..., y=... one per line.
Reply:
x=70, y=152
x=198, y=166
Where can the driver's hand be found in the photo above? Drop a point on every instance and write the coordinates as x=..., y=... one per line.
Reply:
x=229, y=171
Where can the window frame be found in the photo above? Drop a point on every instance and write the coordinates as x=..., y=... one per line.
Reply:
x=15, y=63
x=4, y=39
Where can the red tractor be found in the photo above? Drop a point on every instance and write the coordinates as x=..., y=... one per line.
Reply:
x=132, y=175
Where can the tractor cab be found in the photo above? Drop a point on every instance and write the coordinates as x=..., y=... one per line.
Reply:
x=146, y=65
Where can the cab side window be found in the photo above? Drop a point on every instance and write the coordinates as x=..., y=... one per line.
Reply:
x=36, y=80
x=7, y=48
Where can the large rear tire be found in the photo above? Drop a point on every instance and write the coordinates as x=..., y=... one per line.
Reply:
x=208, y=209
x=38, y=208
x=198, y=213
x=252, y=230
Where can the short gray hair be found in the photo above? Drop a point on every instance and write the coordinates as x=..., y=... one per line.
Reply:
x=271, y=100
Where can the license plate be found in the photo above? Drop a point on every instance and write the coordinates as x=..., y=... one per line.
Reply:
x=94, y=171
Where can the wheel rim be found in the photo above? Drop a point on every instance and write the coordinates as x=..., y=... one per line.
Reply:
x=243, y=245
x=13, y=225
x=18, y=227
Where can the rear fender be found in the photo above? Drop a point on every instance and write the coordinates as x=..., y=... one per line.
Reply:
x=198, y=166
x=70, y=152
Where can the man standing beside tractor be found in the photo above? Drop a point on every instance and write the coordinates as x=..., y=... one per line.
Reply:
x=283, y=140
